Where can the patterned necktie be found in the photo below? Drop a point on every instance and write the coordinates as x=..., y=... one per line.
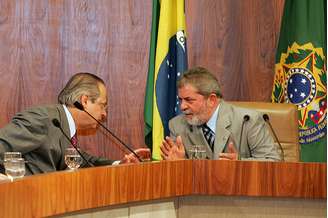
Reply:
x=209, y=135
x=74, y=140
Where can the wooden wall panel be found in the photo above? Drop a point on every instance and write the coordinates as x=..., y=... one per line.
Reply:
x=9, y=59
x=40, y=60
x=236, y=40
x=43, y=43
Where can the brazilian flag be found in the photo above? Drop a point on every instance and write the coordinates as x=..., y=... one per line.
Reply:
x=167, y=62
x=300, y=73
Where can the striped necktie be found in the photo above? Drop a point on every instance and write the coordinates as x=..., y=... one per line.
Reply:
x=74, y=140
x=209, y=135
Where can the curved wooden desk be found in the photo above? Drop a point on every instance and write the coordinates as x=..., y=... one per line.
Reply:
x=63, y=192
x=269, y=179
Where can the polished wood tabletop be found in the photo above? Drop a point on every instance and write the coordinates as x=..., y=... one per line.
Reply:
x=68, y=191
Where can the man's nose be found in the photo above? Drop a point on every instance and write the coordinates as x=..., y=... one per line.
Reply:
x=183, y=105
x=103, y=115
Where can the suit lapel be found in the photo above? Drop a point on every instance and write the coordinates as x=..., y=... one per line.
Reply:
x=63, y=119
x=57, y=112
x=64, y=142
x=196, y=137
x=222, y=133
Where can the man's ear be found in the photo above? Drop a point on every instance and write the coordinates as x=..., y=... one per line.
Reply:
x=213, y=99
x=84, y=100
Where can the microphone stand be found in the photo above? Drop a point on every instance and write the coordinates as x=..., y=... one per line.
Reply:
x=267, y=120
x=245, y=119
x=57, y=124
x=79, y=106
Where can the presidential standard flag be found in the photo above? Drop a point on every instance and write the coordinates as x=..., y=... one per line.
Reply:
x=300, y=72
x=167, y=61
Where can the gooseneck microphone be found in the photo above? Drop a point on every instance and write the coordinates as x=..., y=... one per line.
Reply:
x=267, y=120
x=79, y=106
x=57, y=124
x=245, y=119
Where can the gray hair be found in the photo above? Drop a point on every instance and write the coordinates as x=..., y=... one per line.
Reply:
x=80, y=84
x=202, y=80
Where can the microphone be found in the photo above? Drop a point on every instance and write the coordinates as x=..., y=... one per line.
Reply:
x=79, y=106
x=245, y=119
x=57, y=124
x=267, y=120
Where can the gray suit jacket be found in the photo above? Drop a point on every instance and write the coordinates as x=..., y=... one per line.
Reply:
x=256, y=143
x=41, y=143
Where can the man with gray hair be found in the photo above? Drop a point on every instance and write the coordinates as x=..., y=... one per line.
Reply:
x=208, y=120
x=36, y=133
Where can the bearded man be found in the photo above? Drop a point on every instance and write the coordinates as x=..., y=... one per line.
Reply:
x=208, y=120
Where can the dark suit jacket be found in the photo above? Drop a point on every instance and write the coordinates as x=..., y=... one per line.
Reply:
x=256, y=142
x=41, y=143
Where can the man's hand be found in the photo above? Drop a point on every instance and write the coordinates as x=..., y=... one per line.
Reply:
x=143, y=153
x=171, y=150
x=232, y=153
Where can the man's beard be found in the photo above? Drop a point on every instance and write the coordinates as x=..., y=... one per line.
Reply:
x=196, y=120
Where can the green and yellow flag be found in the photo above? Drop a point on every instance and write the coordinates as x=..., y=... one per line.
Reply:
x=167, y=61
x=300, y=73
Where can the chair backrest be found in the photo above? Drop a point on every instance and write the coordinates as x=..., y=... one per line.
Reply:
x=283, y=118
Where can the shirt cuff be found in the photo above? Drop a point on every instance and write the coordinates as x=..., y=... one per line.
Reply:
x=117, y=162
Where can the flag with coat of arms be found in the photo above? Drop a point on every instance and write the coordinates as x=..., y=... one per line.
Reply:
x=300, y=73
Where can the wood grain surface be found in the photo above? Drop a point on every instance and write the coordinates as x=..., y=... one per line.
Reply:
x=252, y=178
x=63, y=192
x=236, y=40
